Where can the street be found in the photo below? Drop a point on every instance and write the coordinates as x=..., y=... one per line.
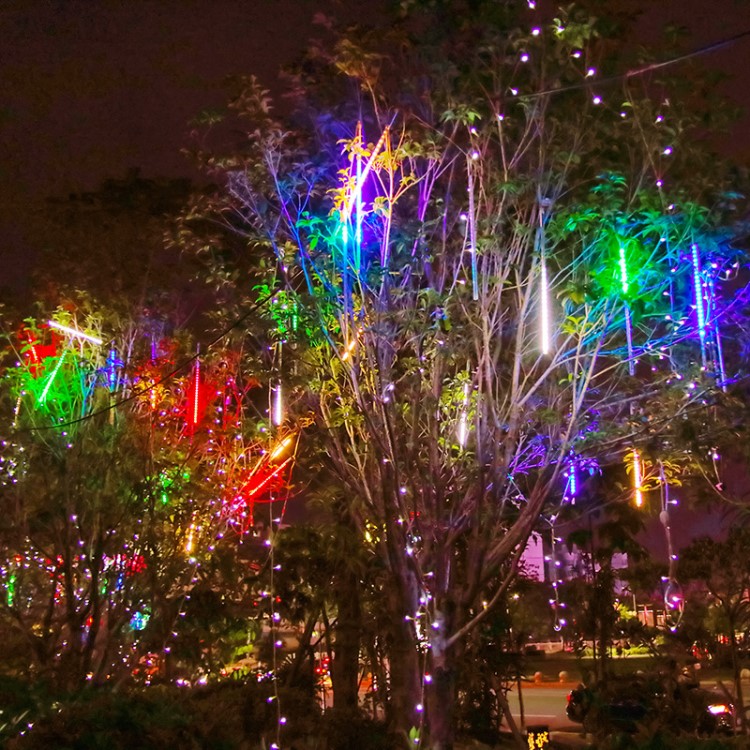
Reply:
x=543, y=704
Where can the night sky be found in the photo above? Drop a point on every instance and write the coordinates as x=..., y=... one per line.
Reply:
x=92, y=88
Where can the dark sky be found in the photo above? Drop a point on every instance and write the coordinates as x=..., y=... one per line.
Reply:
x=92, y=88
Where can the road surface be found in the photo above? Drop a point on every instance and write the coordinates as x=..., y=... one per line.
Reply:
x=543, y=704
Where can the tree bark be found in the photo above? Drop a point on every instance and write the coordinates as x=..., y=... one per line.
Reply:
x=405, y=687
x=442, y=688
x=345, y=666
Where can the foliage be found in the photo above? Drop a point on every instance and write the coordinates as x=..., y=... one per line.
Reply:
x=721, y=568
x=434, y=193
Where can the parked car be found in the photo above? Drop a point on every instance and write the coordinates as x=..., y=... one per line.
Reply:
x=624, y=703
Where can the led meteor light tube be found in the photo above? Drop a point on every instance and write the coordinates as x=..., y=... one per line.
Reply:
x=74, y=332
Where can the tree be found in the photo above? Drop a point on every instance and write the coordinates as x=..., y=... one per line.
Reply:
x=127, y=471
x=612, y=530
x=721, y=568
x=494, y=280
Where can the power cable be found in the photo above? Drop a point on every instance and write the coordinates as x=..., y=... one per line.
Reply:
x=641, y=71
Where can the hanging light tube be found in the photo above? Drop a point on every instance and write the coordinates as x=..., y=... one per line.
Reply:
x=363, y=176
x=720, y=358
x=637, y=479
x=572, y=488
x=74, y=332
x=358, y=208
x=700, y=309
x=463, y=420
x=623, y=271
x=53, y=374
x=277, y=411
x=196, y=392
x=350, y=347
x=280, y=448
x=629, y=338
x=472, y=233
x=189, y=542
x=544, y=311
x=267, y=479
x=545, y=316
x=722, y=375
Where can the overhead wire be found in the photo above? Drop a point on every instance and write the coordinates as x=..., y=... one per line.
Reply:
x=642, y=70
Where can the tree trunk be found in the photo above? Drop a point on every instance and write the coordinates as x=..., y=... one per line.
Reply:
x=442, y=689
x=502, y=699
x=739, y=698
x=304, y=651
x=405, y=688
x=442, y=706
x=345, y=666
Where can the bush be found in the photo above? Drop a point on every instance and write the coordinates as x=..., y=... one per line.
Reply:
x=346, y=729
x=225, y=716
